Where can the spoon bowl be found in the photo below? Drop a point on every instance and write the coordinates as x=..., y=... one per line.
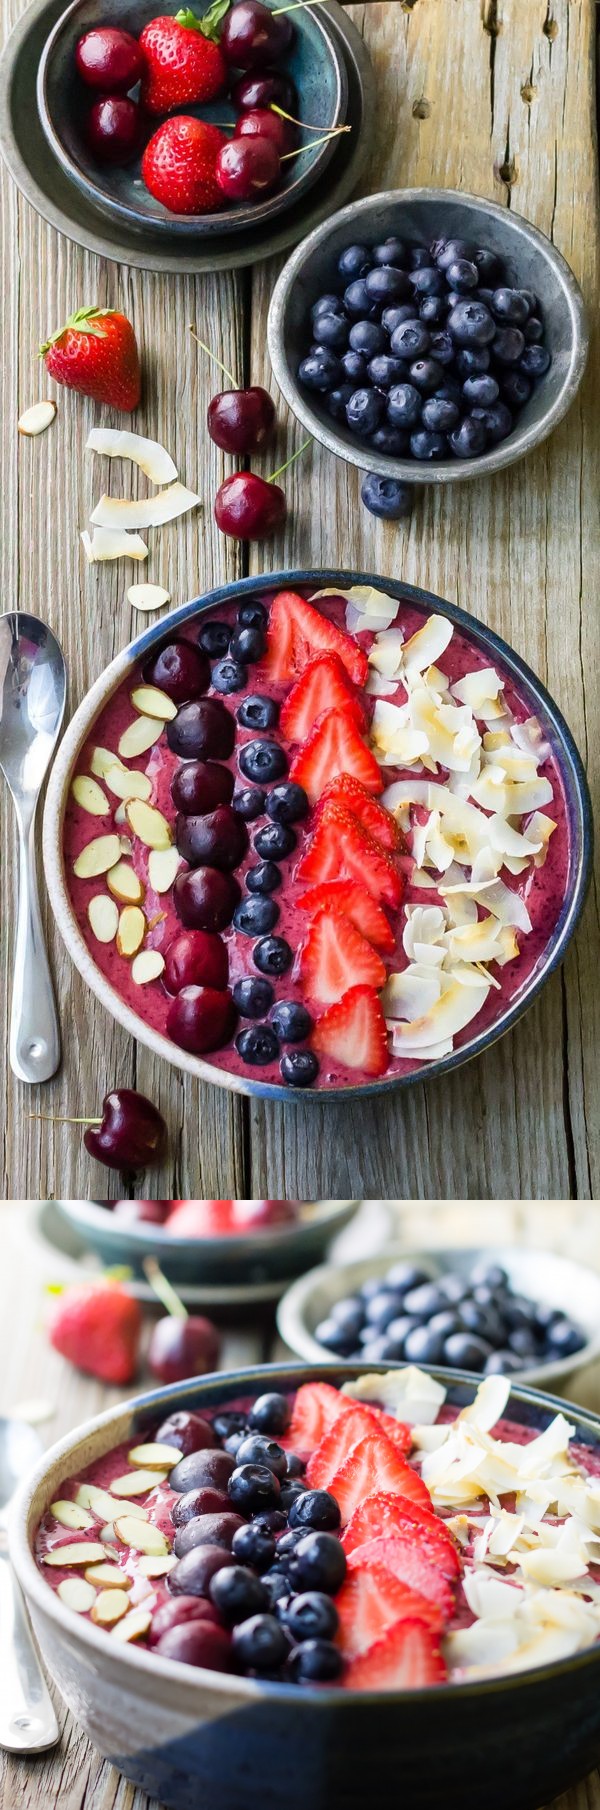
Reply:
x=27, y=1720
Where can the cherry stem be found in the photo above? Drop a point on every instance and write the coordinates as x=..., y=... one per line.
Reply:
x=288, y=462
x=213, y=355
x=305, y=125
x=314, y=142
x=296, y=6
x=163, y=1289
x=51, y=1118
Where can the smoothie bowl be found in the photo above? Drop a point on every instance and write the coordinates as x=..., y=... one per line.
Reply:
x=322, y=833
x=245, y=1242
x=321, y=1579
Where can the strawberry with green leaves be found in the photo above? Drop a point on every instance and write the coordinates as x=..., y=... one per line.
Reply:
x=96, y=353
x=97, y=1326
x=182, y=59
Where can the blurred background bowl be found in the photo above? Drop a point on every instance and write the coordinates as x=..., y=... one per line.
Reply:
x=258, y=1257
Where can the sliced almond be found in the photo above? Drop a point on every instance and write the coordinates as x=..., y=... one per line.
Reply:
x=36, y=419
x=157, y=1567
x=103, y=915
x=133, y=1626
x=121, y=443
x=127, y=782
x=124, y=883
x=125, y=842
x=136, y=1483
x=76, y=1594
x=105, y=1507
x=155, y=1457
x=119, y=815
x=151, y=701
x=112, y=543
x=110, y=1606
x=79, y=1552
x=102, y=760
x=144, y=512
x=89, y=796
x=139, y=735
x=163, y=866
x=131, y=931
x=147, y=966
x=148, y=823
x=108, y=1577
x=97, y=857
x=148, y=596
x=69, y=1514
x=143, y=1537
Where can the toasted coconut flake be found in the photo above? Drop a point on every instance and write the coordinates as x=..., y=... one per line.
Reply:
x=425, y=647
x=148, y=596
x=163, y=865
x=97, y=857
x=139, y=736
x=409, y=1394
x=488, y=1404
x=455, y=1009
x=112, y=543
x=131, y=931
x=151, y=701
x=120, y=443
x=411, y=993
x=378, y=687
x=478, y=687
x=36, y=419
x=530, y=737
x=147, y=512
x=541, y=828
x=386, y=653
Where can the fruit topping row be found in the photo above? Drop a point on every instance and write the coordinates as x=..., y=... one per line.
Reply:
x=206, y=1218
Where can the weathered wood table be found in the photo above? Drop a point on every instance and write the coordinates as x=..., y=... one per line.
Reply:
x=496, y=96
x=74, y=1777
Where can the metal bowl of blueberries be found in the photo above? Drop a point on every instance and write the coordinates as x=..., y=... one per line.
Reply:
x=426, y=335
x=508, y=1310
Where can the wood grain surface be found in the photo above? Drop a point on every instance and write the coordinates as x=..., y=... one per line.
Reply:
x=496, y=96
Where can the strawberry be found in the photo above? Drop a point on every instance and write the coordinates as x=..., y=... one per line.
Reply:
x=289, y=649
x=348, y=899
x=406, y=1658
x=337, y=1444
x=340, y=848
x=316, y=1407
x=97, y=1326
x=396, y=1430
x=182, y=59
x=353, y=1032
x=179, y=164
x=379, y=823
x=334, y=745
x=384, y=1517
x=335, y=957
x=409, y=1560
x=374, y=1465
x=371, y=1601
x=323, y=685
x=96, y=353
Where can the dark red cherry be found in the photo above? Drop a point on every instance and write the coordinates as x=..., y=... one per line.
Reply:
x=219, y=839
x=251, y=35
x=191, y=1577
x=141, y=1212
x=204, y=1501
x=265, y=88
x=205, y=898
x=109, y=58
x=131, y=1133
x=180, y=1346
x=247, y=168
x=200, y=785
x=188, y=1431
x=201, y=1019
x=196, y=958
x=203, y=729
x=248, y=507
x=261, y=122
x=240, y=421
x=114, y=128
x=198, y=1642
x=180, y=1610
x=180, y=669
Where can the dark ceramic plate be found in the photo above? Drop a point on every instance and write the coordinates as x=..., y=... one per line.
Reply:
x=315, y=63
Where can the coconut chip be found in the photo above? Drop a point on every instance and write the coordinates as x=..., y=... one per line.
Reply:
x=112, y=543
x=146, y=512
x=121, y=443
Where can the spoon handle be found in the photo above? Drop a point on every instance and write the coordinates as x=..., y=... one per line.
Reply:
x=34, y=1047
x=27, y=1720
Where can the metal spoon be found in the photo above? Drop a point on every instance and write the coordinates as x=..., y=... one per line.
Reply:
x=27, y=1720
x=33, y=684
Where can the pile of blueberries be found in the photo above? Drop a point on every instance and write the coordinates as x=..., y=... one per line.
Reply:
x=473, y=1322
x=254, y=1540
x=426, y=352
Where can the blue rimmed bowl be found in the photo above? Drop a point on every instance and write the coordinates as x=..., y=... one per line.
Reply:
x=269, y=1255
x=530, y=689
x=315, y=63
x=187, y=1736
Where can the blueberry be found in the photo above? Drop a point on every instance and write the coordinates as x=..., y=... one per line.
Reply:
x=389, y=440
x=252, y=614
x=395, y=317
x=523, y=1344
x=439, y=415
x=214, y=638
x=354, y=262
x=502, y=1363
x=256, y=915
x=260, y=1644
x=315, y=1662
x=533, y=330
x=320, y=1563
x=252, y=1487
x=564, y=1338
x=233, y=1442
x=291, y=1488
x=387, y=284
x=383, y=371
x=472, y=360
x=466, y=1352
x=481, y=390
x=517, y=1311
x=516, y=388
x=468, y=440
x=237, y=1593
x=277, y=1586
x=427, y=280
x=410, y=340
x=275, y=841
x=367, y=338
x=253, y=1545
x=327, y=304
x=272, y=954
x=299, y=1068
x=337, y=401
x=450, y=250
x=320, y=370
x=257, y=711
x=404, y=1276
x=262, y=761
x=265, y=877
x=364, y=411
x=274, y=1520
x=354, y=367
x=231, y=1420
x=334, y=1337
x=443, y=348
x=271, y=1413
x=287, y=803
x=478, y=1320
x=471, y=324
x=419, y=258
x=445, y=1323
x=357, y=302
x=462, y=275
x=488, y=265
x=296, y=1465
x=229, y=675
x=422, y=1346
x=531, y=300
x=426, y=373
x=310, y=1616
x=291, y=1021
x=382, y=1307
x=403, y=405
x=509, y=345
x=331, y=330
x=257, y=1045
x=535, y=361
x=253, y=997
x=287, y=1545
x=258, y=1448
x=315, y=1508
x=497, y=421
x=391, y=251
x=427, y=445
x=249, y=802
x=433, y=310
x=248, y=643
x=510, y=305
x=386, y=497
x=396, y=1333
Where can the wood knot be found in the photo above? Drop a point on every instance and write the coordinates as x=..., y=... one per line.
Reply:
x=489, y=18
x=551, y=29
x=421, y=109
x=528, y=93
x=509, y=171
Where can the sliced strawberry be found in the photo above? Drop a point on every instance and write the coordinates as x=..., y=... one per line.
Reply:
x=353, y=1032
x=334, y=745
x=341, y=849
x=384, y=1515
x=406, y=1658
x=338, y=1443
x=396, y=1430
x=371, y=1601
x=410, y=1560
x=374, y=1465
x=324, y=684
x=316, y=1407
x=375, y=819
x=335, y=957
x=348, y=899
x=311, y=633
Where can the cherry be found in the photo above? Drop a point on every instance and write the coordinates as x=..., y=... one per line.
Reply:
x=248, y=507
x=180, y=1347
x=191, y=1577
x=203, y=1501
x=240, y=421
x=189, y=1431
x=180, y=669
x=247, y=167
x=180, y=1610
x=109, y=58
x=141, y=1212
x=205, y=899
x=195, y=958
x=266, y=88
x=218, y=839
x=131, y=1132
x=261, y=122
x=202, y=1470
x=114, y=128
x=200, y=785
x=202, y=729
x=252, y=35
x=201, y=1019
x=206, y=1530
x=198, y=1643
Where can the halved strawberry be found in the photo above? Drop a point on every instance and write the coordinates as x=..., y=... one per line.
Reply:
x=391, y=1517
x=334, y=745
x=348, y=899
x=340, y=848
x=279, y=658
x=375, y=1465
x=335, y=957
x=371, y=1601
x=311, y=633
x=410, y=1560
x=338, y=1443
x=353, y=1032
x=396, y=1430
x=316, y=1407
x=324, y=684
x=375, y=819
x=405, y=1659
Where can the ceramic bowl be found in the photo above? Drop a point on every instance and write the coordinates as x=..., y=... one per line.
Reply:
x=540, y=704
x=315, y=63
x=188, y=1736
x=278, y=1252
x=531, y=262
x=543, y=1276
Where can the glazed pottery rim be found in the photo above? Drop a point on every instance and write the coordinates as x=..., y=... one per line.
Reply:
x=149, y=1664
x=92, y=1215
x=443, y=471
x=292, y=1307
x=572, y=775
x=201, y=226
